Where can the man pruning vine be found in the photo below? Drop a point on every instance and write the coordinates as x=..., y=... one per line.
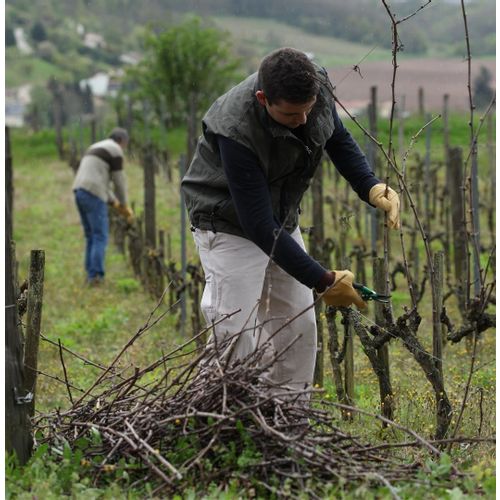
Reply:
x=262, y=142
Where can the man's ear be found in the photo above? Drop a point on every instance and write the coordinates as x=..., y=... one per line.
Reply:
x=261, y=97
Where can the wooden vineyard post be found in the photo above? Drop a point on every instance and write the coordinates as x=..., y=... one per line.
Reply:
x=349, y=362
x=119, y=231
x=476, y=227
x=414, y=249
x=169, y=247
x=135, y=245
x=375, y=217
x=337, y=356
x=74, y=158
x=335, y=201
x=149, y=198
x=80, y=136
x=438, y=330
x=380, y=285
x=33, y=322
x=169, y=265
x=316, y=243
x=152, y=271
x=360, y=265
x=17, y=423
x=446, y=129
x=161, y=244
x=434, y=193
x=421, y=103
x=445, y=210
x=167, y=171
x=93, y=130
x=118, y=108
x=159, y=265
x=130, y=116
x=492, y=185
x=57, y=103
x=443, y=407
x=455, y=177
x=9, y=181
x=401, y=126
x=182, y=171
x=447, y=243
x=427, y=179
x=344, y=262
x=18, y=438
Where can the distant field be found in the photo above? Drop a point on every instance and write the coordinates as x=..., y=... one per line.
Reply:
x=436, y=76
x=266, y=35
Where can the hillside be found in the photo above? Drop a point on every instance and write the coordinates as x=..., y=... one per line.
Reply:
x=438, y=29
x=78, y=39
x=264, y=35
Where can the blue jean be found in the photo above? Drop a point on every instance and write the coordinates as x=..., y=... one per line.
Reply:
x=94, y=218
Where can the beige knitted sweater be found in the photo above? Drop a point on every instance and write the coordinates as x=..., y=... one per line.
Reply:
x=101, y=172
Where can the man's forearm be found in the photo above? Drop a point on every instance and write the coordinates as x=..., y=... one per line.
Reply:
x=349, y=160
x=120, y=186
x=250, y=195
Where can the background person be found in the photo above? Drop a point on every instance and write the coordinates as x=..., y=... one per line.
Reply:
x=100, y=170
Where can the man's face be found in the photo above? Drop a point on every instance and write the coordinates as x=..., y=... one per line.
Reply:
x=288, y=114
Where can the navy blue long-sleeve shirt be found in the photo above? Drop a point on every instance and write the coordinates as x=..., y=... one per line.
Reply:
x=250, y=193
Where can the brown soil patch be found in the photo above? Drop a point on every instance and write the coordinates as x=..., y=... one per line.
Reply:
x=436, y=76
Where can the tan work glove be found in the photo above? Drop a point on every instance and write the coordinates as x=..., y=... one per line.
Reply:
x=389, y=203
x=115, y=204
x=342, y=293
x=124, y=211
x=128, y=214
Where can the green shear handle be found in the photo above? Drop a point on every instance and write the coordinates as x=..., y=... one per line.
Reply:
x=369, y=294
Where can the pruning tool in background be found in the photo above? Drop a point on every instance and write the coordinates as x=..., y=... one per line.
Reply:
x=369, y=294
x=124, y=211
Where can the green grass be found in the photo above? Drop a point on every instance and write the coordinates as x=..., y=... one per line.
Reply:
x=66, y=477
x=22, y=69
x=29, y=147
x=458, y=125
x=97, y=322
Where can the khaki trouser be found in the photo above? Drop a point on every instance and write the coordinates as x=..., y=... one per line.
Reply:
x=239, y=275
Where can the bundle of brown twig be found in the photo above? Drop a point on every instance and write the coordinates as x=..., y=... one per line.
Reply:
x=194, y=418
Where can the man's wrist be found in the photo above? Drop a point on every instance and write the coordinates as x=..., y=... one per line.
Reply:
x=327, y=280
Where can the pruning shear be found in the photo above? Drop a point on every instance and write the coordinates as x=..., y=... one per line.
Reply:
x=369, y=294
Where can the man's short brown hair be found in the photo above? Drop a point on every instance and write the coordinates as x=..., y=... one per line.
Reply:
x=119, y=135
x=287, y=74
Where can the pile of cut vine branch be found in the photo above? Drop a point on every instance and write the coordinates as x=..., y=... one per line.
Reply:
x=192, y=419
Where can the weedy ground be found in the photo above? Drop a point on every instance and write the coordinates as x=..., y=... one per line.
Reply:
x=97, y=322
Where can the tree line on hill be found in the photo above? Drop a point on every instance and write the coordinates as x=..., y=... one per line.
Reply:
x=366, y=21
x=184, y=68
x=439, y=25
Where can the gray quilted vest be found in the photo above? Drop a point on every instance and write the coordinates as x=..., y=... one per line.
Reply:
x=288, y=162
